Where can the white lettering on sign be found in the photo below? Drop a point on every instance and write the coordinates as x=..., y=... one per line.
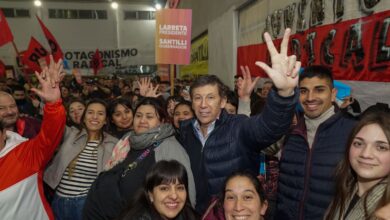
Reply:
x=173, y=43
x=173, y=29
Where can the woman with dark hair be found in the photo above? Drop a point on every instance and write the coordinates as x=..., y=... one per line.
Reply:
x=172, y=101
x=151, y=140
x=183, y=111
x=242, y=197
x=231, y=103
x=80, y=158
x=74, y=109
x=363, y=176
x=120, y=114
x=164, y=195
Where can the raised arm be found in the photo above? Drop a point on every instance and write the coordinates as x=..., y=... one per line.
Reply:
x=38, y=151
x=265, y=129
x=244, y=89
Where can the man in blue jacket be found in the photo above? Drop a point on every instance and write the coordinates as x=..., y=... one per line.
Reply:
x=312, y=150
x=218, y=143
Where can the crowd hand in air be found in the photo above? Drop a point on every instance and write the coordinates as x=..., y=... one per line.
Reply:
x=284, y=70
x=147, y=89
x=245, y=85
x=49, y=80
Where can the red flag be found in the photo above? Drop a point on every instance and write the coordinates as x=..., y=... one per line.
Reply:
x=2, y=69
x=5, y=33
x=96, y=62
x=35, y=56
x=54, y=46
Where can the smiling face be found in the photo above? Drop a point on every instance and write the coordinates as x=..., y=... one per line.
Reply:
x=207, y=103
x=122, y=117
x=242, y=202
x=76, y=110
x=95, y=117
x=316, y=96
x=168, y=199
x=182, y=112
x=369, y=155
x=145, y=118
x=8, y=110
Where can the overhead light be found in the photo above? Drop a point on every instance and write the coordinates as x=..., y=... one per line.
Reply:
x=158, y=6
x=37, y=3
x=114, y=5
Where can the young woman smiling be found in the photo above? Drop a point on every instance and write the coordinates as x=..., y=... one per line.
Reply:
x=151, y=140
x=80, y=159
x=363, y=177
x=163, y=196
x=242, y=198
x=121, y=117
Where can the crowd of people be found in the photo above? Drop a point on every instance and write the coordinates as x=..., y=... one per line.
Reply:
x=73, y=147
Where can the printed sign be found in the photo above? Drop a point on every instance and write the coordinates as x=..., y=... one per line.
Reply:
x=173, y=36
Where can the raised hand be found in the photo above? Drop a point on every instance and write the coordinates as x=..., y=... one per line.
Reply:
x=284, y=71
x=146, y=88
x=245, y=84
x=49, y=80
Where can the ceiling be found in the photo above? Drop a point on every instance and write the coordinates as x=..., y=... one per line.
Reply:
x=100, y=1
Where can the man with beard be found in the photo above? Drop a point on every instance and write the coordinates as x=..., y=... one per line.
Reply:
x=312, y=149
x=27, y=127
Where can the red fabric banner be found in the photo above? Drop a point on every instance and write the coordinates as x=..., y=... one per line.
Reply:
x=5, y=32
x=96, y=62
x=356, y=49
x=35, y=56
x=54, y=46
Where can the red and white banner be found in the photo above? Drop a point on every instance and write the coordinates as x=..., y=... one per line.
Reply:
x=357, y=49
x=54, y=46
x=173, y=36
x=5, y=32
x=35, y=56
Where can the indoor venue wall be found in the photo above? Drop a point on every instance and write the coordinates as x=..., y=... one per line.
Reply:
x=84, y=34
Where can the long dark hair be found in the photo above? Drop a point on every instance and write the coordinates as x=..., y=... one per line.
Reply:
x=69, y=121
x=346, y=177
x=111, y=110
x=162, y=172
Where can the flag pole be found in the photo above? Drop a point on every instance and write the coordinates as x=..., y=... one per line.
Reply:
x=172, y=78
x=26, y=78
x=172, y=4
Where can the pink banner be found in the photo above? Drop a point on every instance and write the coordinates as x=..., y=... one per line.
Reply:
x=173, y=36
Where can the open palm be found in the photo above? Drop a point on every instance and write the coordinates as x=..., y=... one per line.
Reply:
x=284, y=71
x=49, y=80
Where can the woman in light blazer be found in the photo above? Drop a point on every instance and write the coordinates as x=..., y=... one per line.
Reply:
x=79, y=160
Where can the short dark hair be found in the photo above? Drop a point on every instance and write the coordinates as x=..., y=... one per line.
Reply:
x=319, y=71
x=252, y=178
x=17, y=88
x=157, y=104
x=185, y=102
x=210, y=80
x=232, y=98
